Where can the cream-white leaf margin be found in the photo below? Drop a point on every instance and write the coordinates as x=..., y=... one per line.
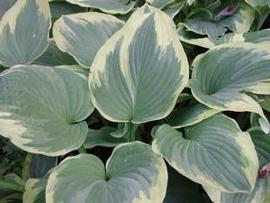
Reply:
x=221, y=75
x=214, y=153
x=82, y=34
x=108, y=6
x=139, y=72
x=133, y=173
x=24, y=32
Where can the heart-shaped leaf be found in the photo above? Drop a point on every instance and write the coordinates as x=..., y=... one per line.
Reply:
x=142, y=69
x=214, y=153
x=133, y=174
x=221, y=75
x=82, y=34
x=108, y=6
x=21, y=44
x=42, y=109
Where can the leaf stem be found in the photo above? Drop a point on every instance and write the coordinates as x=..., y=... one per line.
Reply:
x=26, y=166
x=82, y=150
x=132, y=132
x=12, y=186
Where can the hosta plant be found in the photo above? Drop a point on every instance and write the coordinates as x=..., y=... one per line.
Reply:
x=122, y=101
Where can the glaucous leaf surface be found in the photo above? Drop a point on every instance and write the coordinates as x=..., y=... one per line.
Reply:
x=139, y=72
x=82, y=34
x=21, y=44
x=215, y=153
x=53, y=56
x=102, y=137
x=133, y=173
x=221, y=75
x=107, y=6
x=42, y=109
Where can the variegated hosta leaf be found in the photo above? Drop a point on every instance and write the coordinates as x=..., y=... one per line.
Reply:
x=190, y=115
x=108, y=6
x=159, y=3
x=82, y=34
x=203, y=22
x=261, y=191
x=133, y=173
x=215, y=153
x=42, y=109
x=102, y=137
x=222, y=74
x=141, y=70
x=21, y=44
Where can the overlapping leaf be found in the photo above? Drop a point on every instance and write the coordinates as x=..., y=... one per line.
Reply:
x=21, y=44
x=214, y=153
x=261, y=191
x=81, y=35
x=222, y=74
x=133, y=174
x=138, y=74
x=237, y=18
x=108, y=6
x=42, y=109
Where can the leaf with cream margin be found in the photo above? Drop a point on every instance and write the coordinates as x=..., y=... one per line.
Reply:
x=133, y=173
x=22, y=44
x=221, y=75
x=215, y=153
x=107, y=6
x=261, y=191
x=82, y=34
x=42, y=109
x=141, y=70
